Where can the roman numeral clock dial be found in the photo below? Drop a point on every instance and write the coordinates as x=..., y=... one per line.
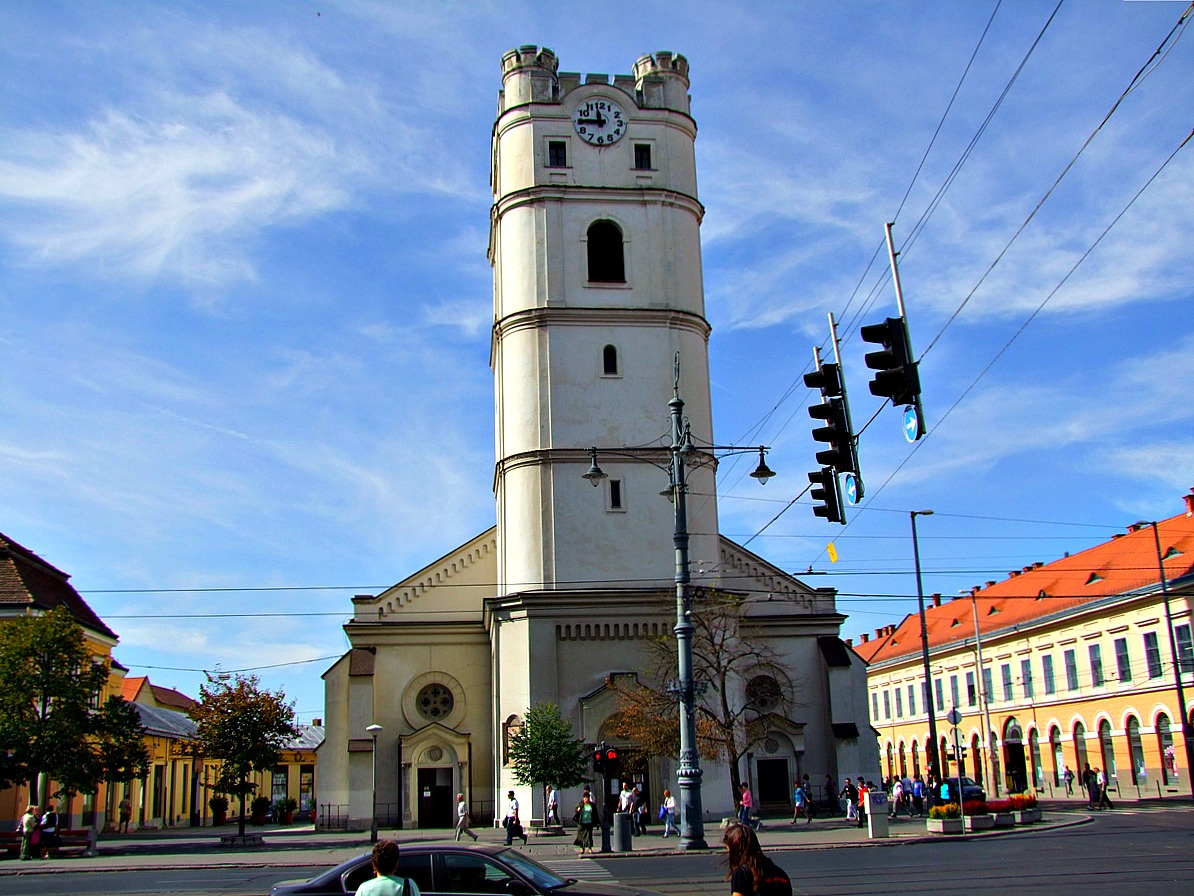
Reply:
x=599, y=122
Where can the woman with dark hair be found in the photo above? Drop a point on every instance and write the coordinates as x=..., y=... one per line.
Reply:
x=587, y=817
x=751, y=872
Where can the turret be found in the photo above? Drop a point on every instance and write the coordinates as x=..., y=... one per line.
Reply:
x=528, y=76
x=661, y=80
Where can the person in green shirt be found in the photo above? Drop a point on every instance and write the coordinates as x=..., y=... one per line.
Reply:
x=387, y=882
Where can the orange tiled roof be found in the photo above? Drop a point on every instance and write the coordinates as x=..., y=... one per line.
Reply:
x=131, y=687
x=29, y=582
x=1126, y=563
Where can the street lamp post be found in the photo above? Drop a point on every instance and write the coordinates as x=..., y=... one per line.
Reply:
x=1177, y=663
x=374, y=730
x=934, y=764
x=692, y=819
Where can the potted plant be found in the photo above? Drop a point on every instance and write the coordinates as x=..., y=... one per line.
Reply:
x=1002, y=813
x=977, y=818
x=285, y=808
x=945, y=818
x=219, y=809
x=259, y=810
x=1025, y=809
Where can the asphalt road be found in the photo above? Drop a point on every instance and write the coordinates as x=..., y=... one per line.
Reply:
x=1145, y=851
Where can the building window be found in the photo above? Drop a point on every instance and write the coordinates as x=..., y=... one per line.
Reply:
x=911, y=700
x=606, y=264
x=1123, y=662
x=1185, y=648
x=1047, y=671
x=971, y=690
x=435, y=702
x=1026, y=678
x=939, y=688
x=615, y=494
x=763, y=694
x=1070, y=658
x=988, y=685
x=874, y=705
x=1096, y=665
x=557, y=154
x=642, y=156
x=281, y=783
x=1005, y=672
x=953, y=690
x=887, y=704
x=899, y=695
x=1152, y=654
x=609, y=361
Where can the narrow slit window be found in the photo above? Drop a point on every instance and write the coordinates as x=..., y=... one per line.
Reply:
x=557, y=154
x=609, y=361
x=615, y=495
x=642, y=156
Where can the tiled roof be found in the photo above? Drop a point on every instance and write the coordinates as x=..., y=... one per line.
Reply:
x=309, y=738
x=166, y=722
x=1125, y=564
x=29, y=582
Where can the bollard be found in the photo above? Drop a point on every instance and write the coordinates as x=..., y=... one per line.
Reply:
x=623, y=832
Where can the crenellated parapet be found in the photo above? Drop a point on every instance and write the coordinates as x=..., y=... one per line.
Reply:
x=530, y=75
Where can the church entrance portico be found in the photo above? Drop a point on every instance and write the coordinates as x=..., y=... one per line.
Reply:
x=437, y=771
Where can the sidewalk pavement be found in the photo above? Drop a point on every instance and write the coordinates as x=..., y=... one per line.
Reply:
x=303, y=846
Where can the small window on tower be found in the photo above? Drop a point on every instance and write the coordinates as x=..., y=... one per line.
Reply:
x=609, y=361
x=642, y=156
x=615, y=495
x=605, y=253
x=557, y=154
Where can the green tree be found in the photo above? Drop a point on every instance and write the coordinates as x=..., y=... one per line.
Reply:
x=245, y=726
x=50, y=684
x=544, y=751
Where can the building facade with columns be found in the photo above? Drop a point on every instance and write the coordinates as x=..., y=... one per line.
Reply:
x=599, y=321
x=1084, y=660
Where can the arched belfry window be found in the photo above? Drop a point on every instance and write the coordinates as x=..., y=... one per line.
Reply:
x=609, y=361
x=606, y=264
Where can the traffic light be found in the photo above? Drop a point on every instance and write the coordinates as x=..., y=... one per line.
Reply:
x=828, y=494
x=827, y=378
x=599, y=760
x=613, y=762
x=897, y=377
x=841, y=454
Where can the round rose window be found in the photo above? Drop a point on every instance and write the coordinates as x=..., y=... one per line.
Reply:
x=434, y=702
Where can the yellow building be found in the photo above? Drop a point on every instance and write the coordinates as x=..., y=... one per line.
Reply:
x=1063, y=664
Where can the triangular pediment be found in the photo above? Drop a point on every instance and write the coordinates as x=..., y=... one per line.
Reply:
x=456, y=583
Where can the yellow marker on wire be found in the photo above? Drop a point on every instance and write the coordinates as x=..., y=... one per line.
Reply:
x=832, y=552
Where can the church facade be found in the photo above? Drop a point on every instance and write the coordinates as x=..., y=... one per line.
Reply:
x=598, y=322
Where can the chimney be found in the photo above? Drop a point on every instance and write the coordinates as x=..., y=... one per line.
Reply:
x=936, y=598
x=1190, y=503
x=1135, y=527
x=849, y=642
x=318, y=723
x=878, y=633
x=865, y=637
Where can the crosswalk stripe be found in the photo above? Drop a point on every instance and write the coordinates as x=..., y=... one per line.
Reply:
x=581, y=869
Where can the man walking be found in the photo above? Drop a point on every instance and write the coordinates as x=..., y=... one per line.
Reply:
x=511, y=821
x=462, y=818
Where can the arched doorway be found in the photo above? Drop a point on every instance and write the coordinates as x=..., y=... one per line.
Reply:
x=915, y=758
x=975, y=768
x=903, y=761
x=1165, y=746
x=1107, y=751
x=890, y=759
x=1034, y=759
x=1136, y=751
x=1057, y=753
x=1013, y=757
x=1080, y=749
x=943, y=755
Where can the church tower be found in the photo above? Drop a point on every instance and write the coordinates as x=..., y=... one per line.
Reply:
x=595, y=246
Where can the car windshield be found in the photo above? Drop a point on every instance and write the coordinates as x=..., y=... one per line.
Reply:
x=532, y=870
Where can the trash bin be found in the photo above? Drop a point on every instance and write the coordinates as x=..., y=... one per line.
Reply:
x=623, y=832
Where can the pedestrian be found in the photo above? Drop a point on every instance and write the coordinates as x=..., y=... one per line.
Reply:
x=642, y=810
x=850, y=794
x=462, y=818
x=1101, y=781
x=897, y=798
x=386, y=881
x=511, y=822
x=30, y=836
x=803, y=804
x=636, y=815
x=746, y=802
x=126, y=815
x=750, y=872
x=1067, y=778
x=48, y=833
x=553, y=806
x=831, y=795
x=863, y=808
x=586, y=818
x=918, y=795
x=1090, y=783
x=669, y=816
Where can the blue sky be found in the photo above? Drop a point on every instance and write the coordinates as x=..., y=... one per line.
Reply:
x=246, y=302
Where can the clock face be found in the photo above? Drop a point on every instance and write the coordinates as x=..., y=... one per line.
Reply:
x=599, y=122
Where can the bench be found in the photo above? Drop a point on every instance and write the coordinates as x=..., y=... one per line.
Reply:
x=82, y=841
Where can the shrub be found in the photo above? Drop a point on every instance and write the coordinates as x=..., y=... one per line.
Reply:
x=260, y=805
x=975, y=807
x=286, y=804
x=945, y=810
x=218, y=803
x=1023, y=801
x=1008, y=805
